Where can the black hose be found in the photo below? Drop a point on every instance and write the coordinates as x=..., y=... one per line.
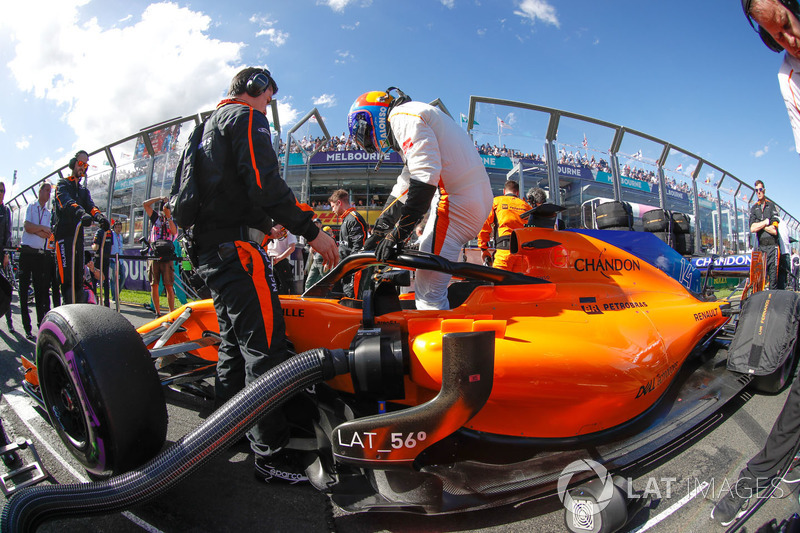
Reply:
x=29, y=508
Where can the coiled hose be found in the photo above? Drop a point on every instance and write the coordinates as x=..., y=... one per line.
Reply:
x=31, y=507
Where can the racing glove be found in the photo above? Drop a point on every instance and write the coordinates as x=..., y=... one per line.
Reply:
x=103, y=221
x=486, y=256
x=384, y=224
x=86, y=220
x=419, y=199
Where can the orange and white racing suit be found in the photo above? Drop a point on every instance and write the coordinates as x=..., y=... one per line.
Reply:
x=438, y=152
x=506, y=217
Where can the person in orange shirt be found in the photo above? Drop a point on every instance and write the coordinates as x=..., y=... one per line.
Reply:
x=503, y=219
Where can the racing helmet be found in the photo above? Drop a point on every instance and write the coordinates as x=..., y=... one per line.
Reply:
x=368, y=119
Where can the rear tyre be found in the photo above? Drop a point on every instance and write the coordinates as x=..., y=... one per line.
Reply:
x=684, y=243
x=613, y=215
x=680, y=223
x=665, y=236
x=100, y=388
x=656, y=221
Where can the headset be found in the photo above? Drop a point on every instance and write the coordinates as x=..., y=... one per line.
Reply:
x=259, y=82
x=401, y=99
x=766, y=38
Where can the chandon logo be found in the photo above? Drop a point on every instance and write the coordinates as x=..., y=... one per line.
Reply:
x=603, y=266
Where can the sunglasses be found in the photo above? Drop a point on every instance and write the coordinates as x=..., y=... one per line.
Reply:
x=759, y=189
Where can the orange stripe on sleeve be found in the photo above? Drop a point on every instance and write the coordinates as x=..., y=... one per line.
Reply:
x=252, y=151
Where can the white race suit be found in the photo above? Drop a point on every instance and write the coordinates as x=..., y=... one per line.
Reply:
x=438, y=152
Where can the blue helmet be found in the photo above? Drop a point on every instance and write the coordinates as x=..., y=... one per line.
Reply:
x=367, y=120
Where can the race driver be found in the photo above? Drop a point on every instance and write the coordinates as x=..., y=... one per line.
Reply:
x=237, y=173
x=443, y=174
x=503, y=219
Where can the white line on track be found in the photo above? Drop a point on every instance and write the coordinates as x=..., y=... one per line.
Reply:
x=671, y=509
x=24, y=407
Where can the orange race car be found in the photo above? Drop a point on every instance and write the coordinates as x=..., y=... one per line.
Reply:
x=605, y=341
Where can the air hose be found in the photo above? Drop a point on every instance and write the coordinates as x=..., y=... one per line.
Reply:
x=29, y=508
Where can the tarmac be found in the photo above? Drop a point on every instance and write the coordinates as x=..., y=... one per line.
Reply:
x=224, y=496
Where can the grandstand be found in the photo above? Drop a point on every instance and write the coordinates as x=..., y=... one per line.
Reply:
x=580, y=161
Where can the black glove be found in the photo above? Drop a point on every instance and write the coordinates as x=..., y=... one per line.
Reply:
x=103, y=221
x=389, y=247
x=79, y=212
x=384, y=224
x=86, y=220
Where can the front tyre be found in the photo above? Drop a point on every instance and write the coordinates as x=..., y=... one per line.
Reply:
x=100, y=388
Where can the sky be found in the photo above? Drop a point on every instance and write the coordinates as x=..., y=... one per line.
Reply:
x=78, y=74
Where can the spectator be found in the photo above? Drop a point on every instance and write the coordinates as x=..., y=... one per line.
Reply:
x=795, y=269
x=5, y=241
x=233, y=263
x=73, y=200
x=116, y=250
x=162, y=236
x=352, y=232
x=316, y=269
x=280, y=248
x=784, y=263
x=33, y=260
x=504, y=218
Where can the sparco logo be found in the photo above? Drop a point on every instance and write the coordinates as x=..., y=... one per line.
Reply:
x=584, y=510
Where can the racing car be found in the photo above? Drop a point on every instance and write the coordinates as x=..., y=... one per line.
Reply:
x=605, y=346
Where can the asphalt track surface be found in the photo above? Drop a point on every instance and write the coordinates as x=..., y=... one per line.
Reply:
x=223, y=495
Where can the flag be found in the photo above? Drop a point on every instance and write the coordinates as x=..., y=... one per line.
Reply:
x=501, y=124
x=465, y=121
x=637, y=155
x=585, y=143
x=679, y=168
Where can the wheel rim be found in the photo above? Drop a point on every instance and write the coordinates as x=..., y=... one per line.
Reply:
x=63, y=403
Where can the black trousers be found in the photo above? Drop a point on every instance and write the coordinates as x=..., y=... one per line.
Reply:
x=772, y=253
x=68, y=277
x=251, y=325
x=779, y=449
x=283, y=275
x=33, y=267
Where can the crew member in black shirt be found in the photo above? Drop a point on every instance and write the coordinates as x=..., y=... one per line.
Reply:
x=764, y=223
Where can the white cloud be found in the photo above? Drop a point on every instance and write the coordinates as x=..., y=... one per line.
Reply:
x=62, y=56
x=351, y=26
x=344, y=57
x=325, y=100
x=23, y=143
x=450, y=4
x=276, y=36
x=538, y=9
x=762, y=152
x=339, y=5
x=2, y=129
x=481, y=32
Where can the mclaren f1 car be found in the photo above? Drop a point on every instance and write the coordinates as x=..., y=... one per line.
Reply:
x=604, y=341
